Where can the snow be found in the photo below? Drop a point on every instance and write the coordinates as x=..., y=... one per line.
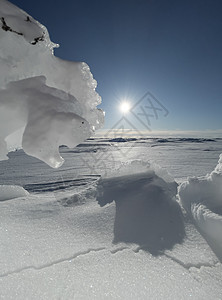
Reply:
x=45, y=102
x=8, y=192
x=201, y=197
x=146, y=210
x=79, y=235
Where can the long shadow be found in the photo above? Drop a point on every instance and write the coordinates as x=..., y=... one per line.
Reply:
x=146, y=214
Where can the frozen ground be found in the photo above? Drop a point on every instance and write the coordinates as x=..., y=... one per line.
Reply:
x=68, y=239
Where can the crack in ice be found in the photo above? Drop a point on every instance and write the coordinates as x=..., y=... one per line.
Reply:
x=188, y=266
x=114, y=251
x=56, y=262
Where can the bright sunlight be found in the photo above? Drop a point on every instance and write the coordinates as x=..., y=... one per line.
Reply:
x=125, y=107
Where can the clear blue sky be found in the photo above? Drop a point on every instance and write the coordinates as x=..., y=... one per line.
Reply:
x=171, y=48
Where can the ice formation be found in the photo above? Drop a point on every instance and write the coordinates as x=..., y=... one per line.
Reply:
x=147, y=212
x=201, y=197
x=45, y=102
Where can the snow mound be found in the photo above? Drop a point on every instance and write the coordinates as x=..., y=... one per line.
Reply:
x=202, y=199
x=45, y=102
x=146, y=209
x=8, y=192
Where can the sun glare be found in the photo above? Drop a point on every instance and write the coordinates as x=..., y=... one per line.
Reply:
x=125, y=107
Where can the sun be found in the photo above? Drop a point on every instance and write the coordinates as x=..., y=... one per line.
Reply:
x=125, y=107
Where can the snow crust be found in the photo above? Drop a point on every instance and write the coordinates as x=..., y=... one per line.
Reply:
x=8, y=192
x=58, y=242
x=45, y=101
x=202, y=199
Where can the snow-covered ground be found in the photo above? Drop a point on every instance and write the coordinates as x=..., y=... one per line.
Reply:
x=122, y=236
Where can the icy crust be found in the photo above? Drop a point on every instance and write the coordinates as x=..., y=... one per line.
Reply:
x=202, y=199
x=47, y=100
x=138, y=166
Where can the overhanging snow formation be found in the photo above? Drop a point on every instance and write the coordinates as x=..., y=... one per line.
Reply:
x=45, y=102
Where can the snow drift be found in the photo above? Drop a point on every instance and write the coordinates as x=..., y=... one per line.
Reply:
x=8, y=192
x=146, y=209
x=202, y=199
x=45, y=102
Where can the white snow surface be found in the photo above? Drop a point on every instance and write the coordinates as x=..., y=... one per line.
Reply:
x=8, y=192
x=202, y=199
x=122, y=235
x=45, y=101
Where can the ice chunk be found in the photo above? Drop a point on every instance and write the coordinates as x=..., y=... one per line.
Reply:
x=146, y=210
x=47, y=101
x=202, y=199
x=8, y=192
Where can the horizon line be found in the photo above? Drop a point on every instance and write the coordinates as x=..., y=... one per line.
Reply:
x=216, y=133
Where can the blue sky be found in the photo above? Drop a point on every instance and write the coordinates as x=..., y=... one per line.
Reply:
x=173, y=49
